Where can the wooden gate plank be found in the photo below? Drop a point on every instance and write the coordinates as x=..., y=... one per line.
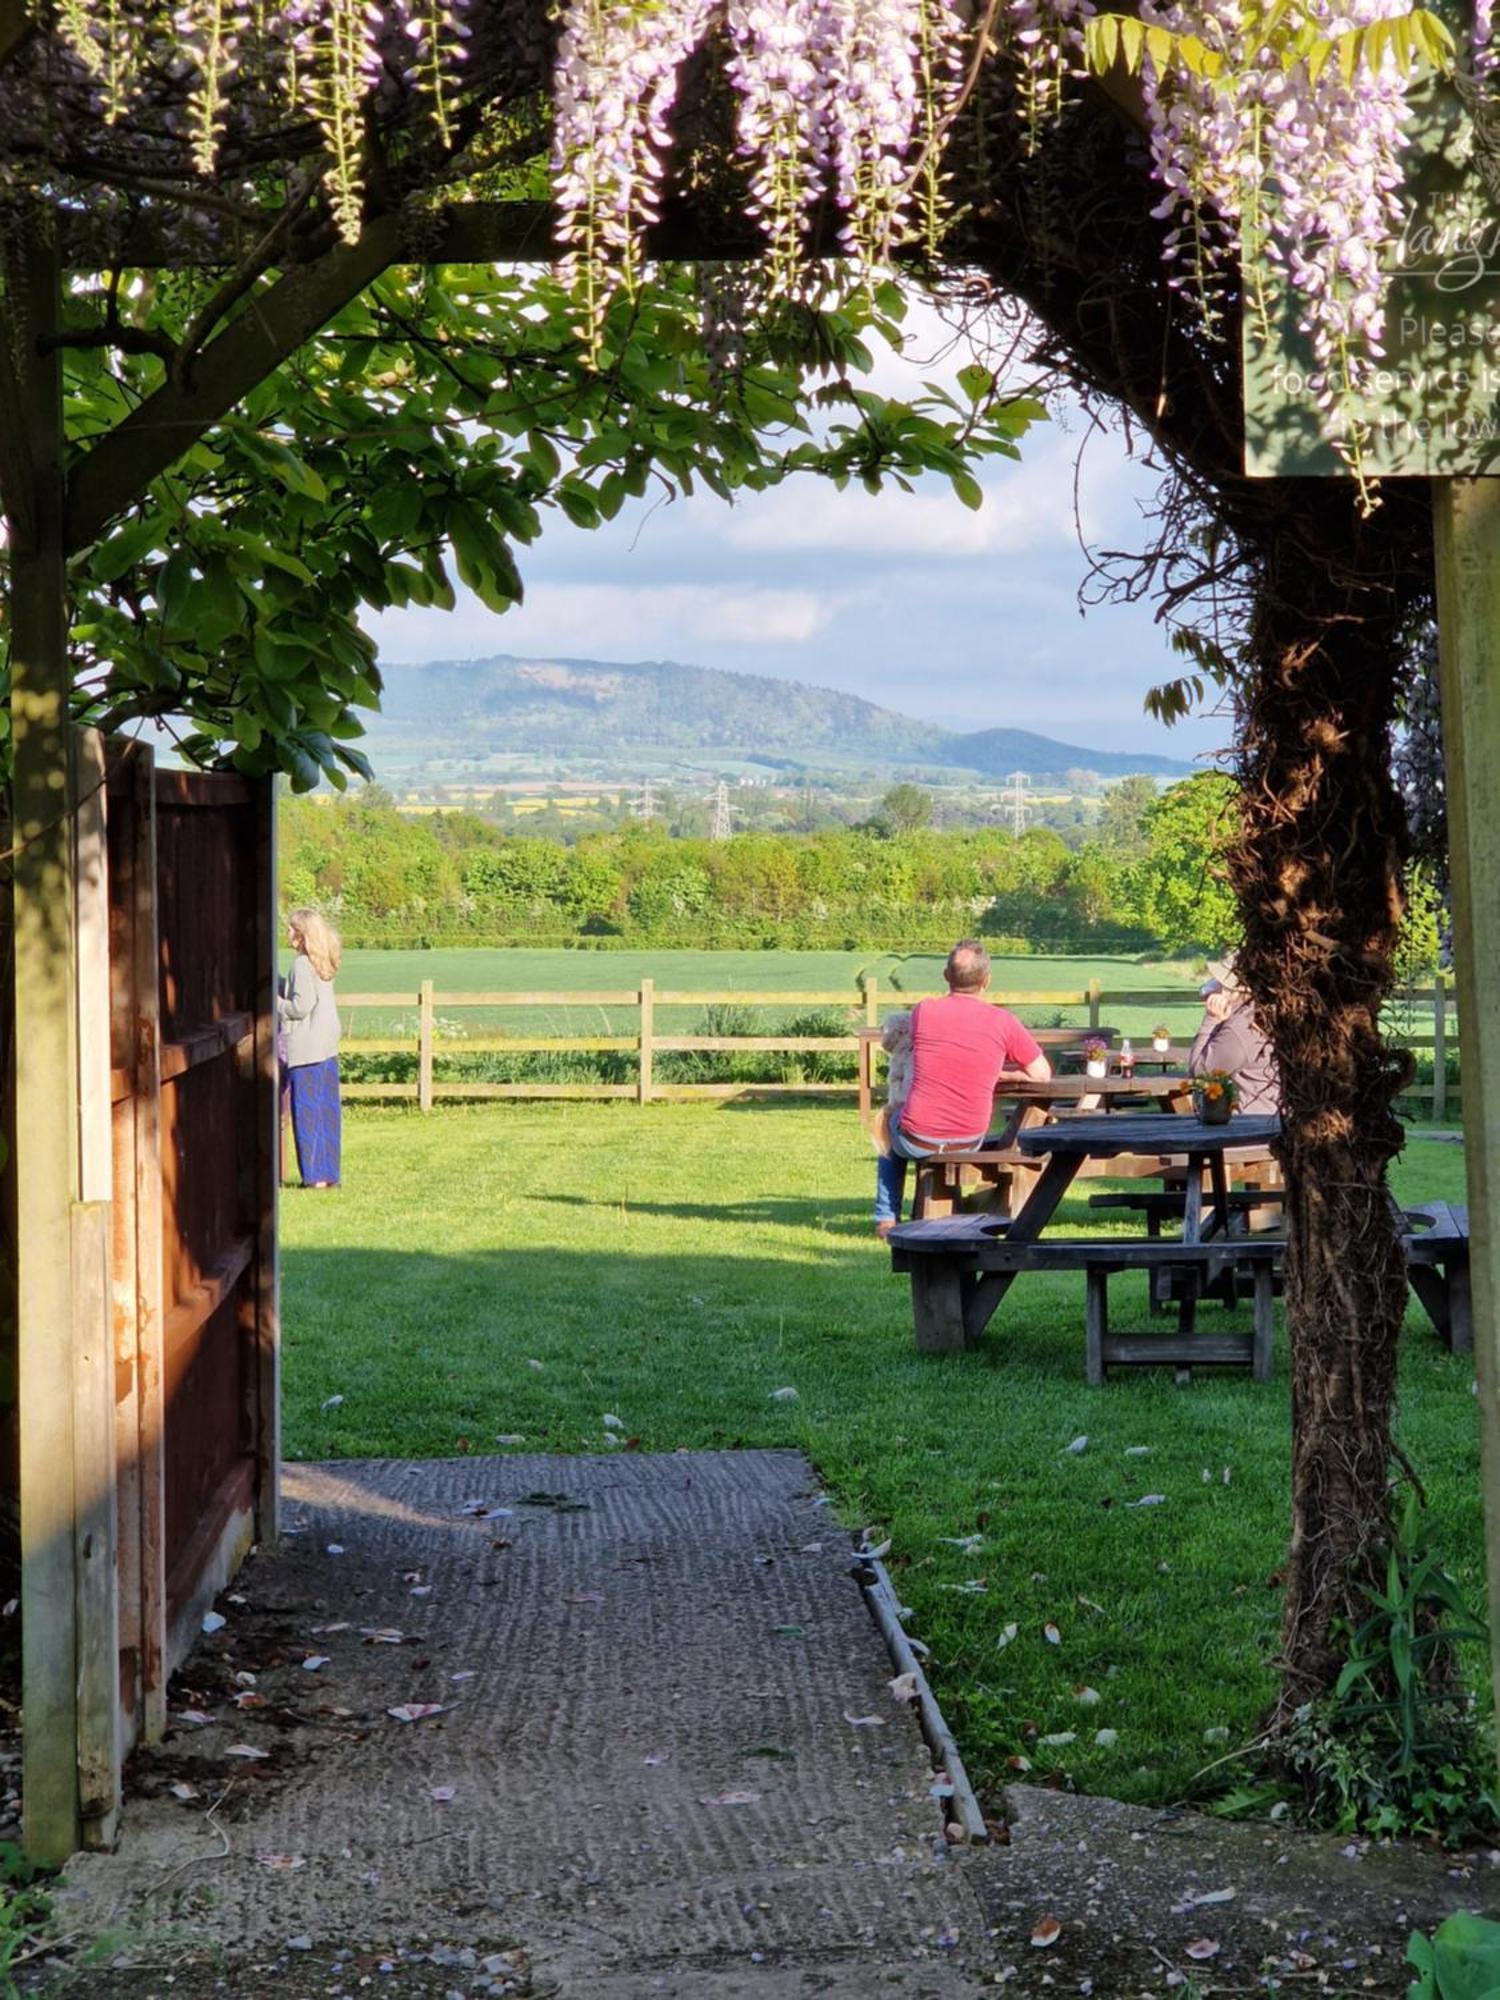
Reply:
x=143, y=977
x=96, y=1588
x=99, y=1746
x=264, y=1214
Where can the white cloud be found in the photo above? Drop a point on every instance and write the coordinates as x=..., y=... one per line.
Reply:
x=617, y=621
x=1028, y=506
x=859, y=523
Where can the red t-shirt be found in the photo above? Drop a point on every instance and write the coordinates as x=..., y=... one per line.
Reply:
x=959, y=1045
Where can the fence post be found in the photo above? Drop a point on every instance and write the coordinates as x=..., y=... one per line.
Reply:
x=1439, y=1046
x=864, y=1066
x=424, y=1045
x=1093, y=1003
x=647, y=1004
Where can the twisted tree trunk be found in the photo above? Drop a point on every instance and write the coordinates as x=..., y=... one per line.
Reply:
x=1317, y=870
x=1331, y=596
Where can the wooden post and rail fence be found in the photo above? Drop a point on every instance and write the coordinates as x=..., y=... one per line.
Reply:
x=646, y=1044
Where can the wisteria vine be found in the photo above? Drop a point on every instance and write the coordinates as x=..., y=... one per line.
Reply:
x=1258, y=122
x=1305, y=162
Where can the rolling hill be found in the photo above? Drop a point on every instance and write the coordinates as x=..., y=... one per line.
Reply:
x=460, y=720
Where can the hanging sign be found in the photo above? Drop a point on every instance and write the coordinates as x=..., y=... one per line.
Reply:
x=1430, y=404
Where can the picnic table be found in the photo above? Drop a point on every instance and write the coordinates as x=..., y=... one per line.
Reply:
x=962, y=1266
x=1000, y=1168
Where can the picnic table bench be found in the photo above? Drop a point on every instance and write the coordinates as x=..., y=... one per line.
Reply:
x=1437, y=1267
x=961, y=1266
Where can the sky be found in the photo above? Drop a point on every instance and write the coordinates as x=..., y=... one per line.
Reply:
x=969, y=619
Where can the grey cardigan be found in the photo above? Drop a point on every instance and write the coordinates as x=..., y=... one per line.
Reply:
x=1237, y=1044
x=309, y=1017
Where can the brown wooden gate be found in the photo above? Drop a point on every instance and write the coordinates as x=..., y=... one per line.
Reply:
x=149, y=1391
x=193, y=1093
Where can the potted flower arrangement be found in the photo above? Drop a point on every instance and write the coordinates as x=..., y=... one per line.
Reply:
x=1161, y=1039
x=1095, y=1056
x=1215, y=1094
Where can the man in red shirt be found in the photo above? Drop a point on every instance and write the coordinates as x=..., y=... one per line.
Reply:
x=959, y=1045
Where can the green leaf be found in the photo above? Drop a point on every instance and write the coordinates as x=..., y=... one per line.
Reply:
x=122, y=550
x=1162, y=45
x=968, y=489
x=890, y=300
x=172, y=585
x=579, y=504
x=1401, y=1661
x=1466, y=1957
x=485, y=564
x=1101, y=42
x=1419, y=1954
x=976, y=381
x=280, y=461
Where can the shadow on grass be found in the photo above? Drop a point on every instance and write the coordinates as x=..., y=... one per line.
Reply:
x=1074, y=1216
x=705, y=1336
x=839, y=1218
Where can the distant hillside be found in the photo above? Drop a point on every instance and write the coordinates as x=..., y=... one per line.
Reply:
x=998, y=752
x=450, y=718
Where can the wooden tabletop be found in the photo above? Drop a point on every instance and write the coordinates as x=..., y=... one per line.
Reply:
x=1058, y=1089
x=1144, y=1132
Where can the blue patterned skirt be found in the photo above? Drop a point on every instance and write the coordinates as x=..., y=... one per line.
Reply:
x=315, y=1119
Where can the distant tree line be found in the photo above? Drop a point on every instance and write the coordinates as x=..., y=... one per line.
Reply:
x=391, y=877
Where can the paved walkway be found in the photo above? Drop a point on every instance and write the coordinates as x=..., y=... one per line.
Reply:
x=666, y=1759
x=662, y=1759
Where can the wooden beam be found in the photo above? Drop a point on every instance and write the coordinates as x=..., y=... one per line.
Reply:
x=118, y=470
x=470, y=232
x=154, y=436
x=46, y=1084
x=481, y=232
x=15, y=25
x=1466, y=521
x=17, y=477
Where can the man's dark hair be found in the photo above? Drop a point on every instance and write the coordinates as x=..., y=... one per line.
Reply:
x=968, y=966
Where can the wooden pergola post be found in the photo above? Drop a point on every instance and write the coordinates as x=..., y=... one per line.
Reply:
x=1466, y=519
x=71, y=1760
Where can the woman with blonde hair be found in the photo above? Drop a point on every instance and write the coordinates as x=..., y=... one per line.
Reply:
x=310, y=1023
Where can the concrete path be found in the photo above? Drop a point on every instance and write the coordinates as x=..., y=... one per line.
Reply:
x=665, y=1758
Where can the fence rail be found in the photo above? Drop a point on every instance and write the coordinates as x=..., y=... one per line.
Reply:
x=873, y=1000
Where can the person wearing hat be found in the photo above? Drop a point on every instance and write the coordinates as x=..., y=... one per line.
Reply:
x=1231, y=1039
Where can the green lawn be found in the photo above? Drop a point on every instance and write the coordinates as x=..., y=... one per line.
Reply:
x=789, y=972
x=524, y=1269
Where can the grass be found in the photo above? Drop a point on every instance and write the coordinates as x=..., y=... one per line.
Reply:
x=791, y=972
x=525, y=1269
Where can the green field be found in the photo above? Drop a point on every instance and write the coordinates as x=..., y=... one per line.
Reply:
x=789, y=972
x=521, y=1270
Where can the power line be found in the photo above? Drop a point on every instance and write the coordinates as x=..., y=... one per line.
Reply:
x=1020, y=809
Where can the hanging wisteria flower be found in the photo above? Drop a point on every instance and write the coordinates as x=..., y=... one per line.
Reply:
x=614, y=83
x=1046, y=45
x=833, y=96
